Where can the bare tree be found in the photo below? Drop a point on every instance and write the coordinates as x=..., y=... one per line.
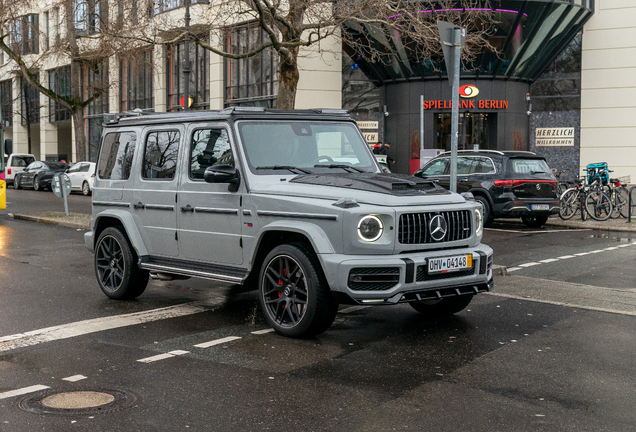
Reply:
x=378, y=30
x=78, y=39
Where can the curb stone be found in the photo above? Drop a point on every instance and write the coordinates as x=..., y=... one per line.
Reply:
x=52, y=221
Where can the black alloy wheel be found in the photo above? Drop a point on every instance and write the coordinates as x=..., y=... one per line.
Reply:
x=534, y=221
x=36, y=184
x=443, y=307
x=293, y=292
x=86, y=190
x=116, y=266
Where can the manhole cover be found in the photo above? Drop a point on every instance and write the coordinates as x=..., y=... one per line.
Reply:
x=78, y=402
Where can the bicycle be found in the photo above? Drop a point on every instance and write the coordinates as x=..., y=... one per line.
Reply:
x=573, y=201
x=620, y=198
x=598, y=204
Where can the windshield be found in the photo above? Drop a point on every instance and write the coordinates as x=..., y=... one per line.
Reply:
x=528, y=166
x=302, y=147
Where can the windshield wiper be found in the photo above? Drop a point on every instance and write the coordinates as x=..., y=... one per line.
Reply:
x=283, y=167
x=343, y=166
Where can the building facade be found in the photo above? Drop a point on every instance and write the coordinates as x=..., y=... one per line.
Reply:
x=561, y=84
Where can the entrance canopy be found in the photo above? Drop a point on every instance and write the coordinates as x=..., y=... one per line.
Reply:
x=528, y=35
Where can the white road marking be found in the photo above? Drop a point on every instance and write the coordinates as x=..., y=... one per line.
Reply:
x=611, y=248
x=162, y=356
x=23, y=391
x=530, y=264
x=217, y=342
x=80, y=328
x=582, y=253
x=549, y=260
x=566, y=257
x=625, y=245
x=352, y=309
x=511, y=269
x=260, y=332
x=597, y=251
x=74, y=378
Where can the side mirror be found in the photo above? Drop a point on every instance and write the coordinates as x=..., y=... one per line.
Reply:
x=223, y=173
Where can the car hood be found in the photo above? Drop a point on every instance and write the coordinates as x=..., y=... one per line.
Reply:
x=368, y=188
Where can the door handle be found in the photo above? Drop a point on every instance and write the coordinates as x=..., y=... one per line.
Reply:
x=139, y=205
x=187, y=209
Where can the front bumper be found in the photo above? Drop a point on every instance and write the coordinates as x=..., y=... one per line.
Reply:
x=88, y=241
x=405, y=276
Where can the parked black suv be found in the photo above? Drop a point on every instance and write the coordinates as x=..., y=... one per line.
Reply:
x=508, y=184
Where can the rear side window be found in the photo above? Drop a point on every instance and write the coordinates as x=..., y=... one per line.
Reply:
x=528, y=166
x=117, y=155
x=22, y=161
x=160, y=156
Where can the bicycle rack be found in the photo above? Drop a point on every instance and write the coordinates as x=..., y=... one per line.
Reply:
x=629, y=209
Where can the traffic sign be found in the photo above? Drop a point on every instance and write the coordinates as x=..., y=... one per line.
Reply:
x=446, y=35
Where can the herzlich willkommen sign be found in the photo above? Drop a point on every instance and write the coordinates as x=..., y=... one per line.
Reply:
x=560, y=136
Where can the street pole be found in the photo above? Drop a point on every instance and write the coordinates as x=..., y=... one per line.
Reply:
x=421, y=123
x=186, y=59
x=457, y=43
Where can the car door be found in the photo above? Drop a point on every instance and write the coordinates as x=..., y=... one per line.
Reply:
x=155, y=192
x=465, y=171
x=73, y=173
x=26, y=178
x=209, y=219
x=437, y=171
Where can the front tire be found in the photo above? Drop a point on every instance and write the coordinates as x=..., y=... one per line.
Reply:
x=534, y=222
x=443, y=307
x=293, y=292
x=116, y=266
x=16, y=182
x=488, y=216
x=36, y=184
x=86, y=190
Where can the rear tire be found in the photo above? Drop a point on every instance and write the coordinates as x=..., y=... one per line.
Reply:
x=534, y=222
x=116, y=266
x=488, y=216
x=293, y=292
x=443, y=307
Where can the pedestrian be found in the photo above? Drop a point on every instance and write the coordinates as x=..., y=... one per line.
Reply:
x=385, y=151
x=377, y=148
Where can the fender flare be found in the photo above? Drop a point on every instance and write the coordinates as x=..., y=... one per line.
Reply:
x=129, y=225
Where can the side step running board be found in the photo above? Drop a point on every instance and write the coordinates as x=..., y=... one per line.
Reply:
x=194, y=269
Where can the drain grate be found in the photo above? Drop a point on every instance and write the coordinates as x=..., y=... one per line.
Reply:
x=78, y=402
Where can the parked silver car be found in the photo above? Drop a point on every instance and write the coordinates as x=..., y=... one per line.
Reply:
x=290, y=203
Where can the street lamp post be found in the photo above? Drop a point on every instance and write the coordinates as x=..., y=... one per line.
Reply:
x=186, y=59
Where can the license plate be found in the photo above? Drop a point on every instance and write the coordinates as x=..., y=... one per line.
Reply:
x=449, y=264
x=540, y=206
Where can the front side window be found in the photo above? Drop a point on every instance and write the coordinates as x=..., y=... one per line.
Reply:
x=465, y=165
x=160, y=156
x=209, y=147
x=117, y=154
x=304, y=145
x=435, y=168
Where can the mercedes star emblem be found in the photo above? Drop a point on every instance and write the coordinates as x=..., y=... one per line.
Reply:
x=438, y=227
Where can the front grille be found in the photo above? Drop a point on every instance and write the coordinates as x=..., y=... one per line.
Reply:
x=423, y=276
x=414, y=227
x=373, y=278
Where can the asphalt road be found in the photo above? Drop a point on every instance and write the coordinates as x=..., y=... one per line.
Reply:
x=550, y=349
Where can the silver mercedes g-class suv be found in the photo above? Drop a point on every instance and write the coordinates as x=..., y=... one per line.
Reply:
x=291, y=203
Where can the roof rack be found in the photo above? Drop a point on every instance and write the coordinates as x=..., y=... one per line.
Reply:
x=520, y=151
x=110, y=118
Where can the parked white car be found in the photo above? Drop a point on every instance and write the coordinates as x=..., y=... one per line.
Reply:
x=15, y=163
x=82, y=176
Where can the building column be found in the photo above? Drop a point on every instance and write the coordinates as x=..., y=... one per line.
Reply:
x=159, y=78
x=217, y=79
x=48, y=130
x=20, y=140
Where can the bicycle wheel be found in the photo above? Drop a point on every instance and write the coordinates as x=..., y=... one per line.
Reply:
x=569, y=204
x=616, y=202
x=598, y=205
x=622, y=198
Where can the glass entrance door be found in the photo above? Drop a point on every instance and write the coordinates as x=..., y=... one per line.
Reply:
x=476, y=131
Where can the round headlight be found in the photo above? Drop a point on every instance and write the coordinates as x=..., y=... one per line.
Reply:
x=480, y=221
x=370, y=228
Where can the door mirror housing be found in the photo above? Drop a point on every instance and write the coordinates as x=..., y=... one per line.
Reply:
x=223, y=173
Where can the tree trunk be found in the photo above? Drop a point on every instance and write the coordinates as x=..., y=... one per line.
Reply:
x=288, y=81
x=80, y=136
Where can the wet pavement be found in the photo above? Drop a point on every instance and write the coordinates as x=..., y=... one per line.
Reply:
x=550, y=349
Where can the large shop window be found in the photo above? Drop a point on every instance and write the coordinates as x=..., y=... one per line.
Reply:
x=92, y=82
x=30, y=113
x=135, y=82
x=199, y=76
x=476, y=131
x=6, y=99
x=165, y=5
x=251, y=81
x=90, y=16
x=60, y=83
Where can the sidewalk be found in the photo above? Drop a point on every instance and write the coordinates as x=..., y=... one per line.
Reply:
x=619, y=224
x=74, y=220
